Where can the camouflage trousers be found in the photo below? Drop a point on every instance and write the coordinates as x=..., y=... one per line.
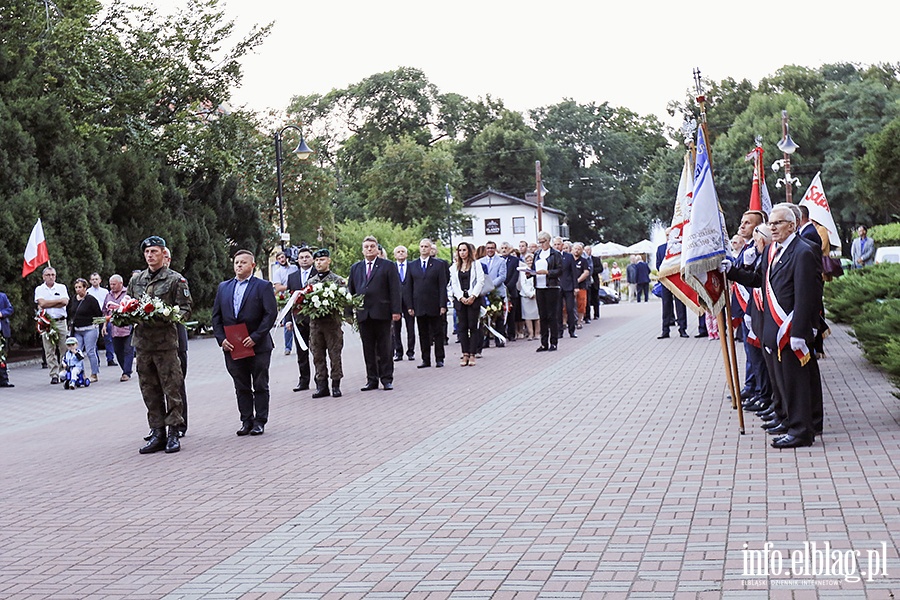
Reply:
x=325, y=335
x=161, y=378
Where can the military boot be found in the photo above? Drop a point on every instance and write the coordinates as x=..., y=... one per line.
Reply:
x=156, y=442
x=321, y=391
x=335, y=388
x=172, y=443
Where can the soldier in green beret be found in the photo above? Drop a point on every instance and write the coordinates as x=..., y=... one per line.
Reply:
x=326, y=335
x=158, y=367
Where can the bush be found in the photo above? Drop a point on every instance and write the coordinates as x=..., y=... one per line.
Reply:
x=886, y=235
x=847, y=296
x=877, y=328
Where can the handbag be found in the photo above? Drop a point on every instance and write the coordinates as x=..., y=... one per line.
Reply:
x=658, y=289
x=832, y=266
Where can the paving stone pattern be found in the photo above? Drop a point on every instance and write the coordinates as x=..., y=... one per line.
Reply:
x=610, y=469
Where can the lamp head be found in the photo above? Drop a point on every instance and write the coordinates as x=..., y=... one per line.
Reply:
x=302, y=150
x=787, y=145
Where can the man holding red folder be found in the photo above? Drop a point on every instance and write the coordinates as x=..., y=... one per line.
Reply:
x=243, y=313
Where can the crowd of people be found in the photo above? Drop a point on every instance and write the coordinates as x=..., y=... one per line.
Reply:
x=501, y=294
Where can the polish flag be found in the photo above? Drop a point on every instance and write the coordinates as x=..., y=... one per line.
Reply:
x=36, y=252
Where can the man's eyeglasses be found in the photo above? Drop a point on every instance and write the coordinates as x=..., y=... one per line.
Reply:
x=778, y=223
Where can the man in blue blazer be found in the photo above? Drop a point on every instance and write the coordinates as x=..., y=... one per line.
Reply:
x=426, y=294
x=250, y=301
x=496, y=272
x=377, y=280
x=6, y=311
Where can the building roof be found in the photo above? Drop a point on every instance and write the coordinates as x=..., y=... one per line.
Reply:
x=506, y=200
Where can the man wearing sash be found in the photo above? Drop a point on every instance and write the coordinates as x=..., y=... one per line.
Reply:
x=788, y=278
x=754, y=400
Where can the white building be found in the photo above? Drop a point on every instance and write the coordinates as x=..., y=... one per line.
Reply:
x=498, y=217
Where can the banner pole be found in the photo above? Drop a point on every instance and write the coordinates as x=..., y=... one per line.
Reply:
x=733, y=377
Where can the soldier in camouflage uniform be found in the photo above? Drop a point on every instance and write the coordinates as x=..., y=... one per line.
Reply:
x=158, y=367
x=325, y=334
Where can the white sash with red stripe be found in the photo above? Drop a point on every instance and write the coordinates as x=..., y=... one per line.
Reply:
x=782, y=318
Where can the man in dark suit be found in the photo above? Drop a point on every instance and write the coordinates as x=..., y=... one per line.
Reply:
x=512, y=289
x=754, y=374
x=787, y=275
x=376, y=279
x=247, y=300
x=400, y=256
x=674, y=312
x=297, y=280
x=6, y=311
x=427, y=296
x=567, y=279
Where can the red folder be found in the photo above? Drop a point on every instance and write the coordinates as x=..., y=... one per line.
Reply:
x=236, y=334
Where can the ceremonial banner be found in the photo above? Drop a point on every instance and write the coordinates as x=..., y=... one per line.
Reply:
x=670, y=269
x=819, y=211
x=759, y=193
x=704, y=243
x=36, y=252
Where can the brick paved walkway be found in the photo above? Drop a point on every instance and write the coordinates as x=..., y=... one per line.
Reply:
x=596, y=472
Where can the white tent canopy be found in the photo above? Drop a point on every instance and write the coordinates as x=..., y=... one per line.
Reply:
x=609, y=249
x=642, y=247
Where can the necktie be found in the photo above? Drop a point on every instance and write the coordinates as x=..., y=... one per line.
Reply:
x=424, y=264
x=368, y=270
x=305, y=276
x=401, y=272
x=490, y=262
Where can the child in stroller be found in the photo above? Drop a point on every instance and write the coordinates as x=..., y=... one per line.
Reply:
x=73, y=363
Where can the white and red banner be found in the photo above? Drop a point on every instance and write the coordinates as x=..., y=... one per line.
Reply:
x=819, y=211
x=759, y=193
x=670, y=268
x=36, y=252
x=705, y=239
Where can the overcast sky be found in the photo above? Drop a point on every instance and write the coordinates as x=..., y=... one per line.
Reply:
x=633, y=53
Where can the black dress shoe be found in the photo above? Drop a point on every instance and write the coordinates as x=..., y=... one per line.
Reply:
x=791, y=441
x=398, y=358
x=701, y=335
x=6, y=384
x=258, y=429
x=664, y=336
x=369, y=387
x=111, y=363
x=501, y=344
x=439, y=364
x=552, y=348
x=777, y=430
x=424, y=365
x=683, y=334
x=388, y=386
x=302, y=386
x=321, y=392
x=768, y=414
x=411, y=357
x=771, y=424
x=542, y=349
x=572, y=334
x=173, y=444
x=156, y=443
x=245, y=428
x=756, y=407
x=746, y=394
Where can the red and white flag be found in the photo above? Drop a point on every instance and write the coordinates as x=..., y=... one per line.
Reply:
x=759, y=193
x=819, y=211
x=36, y=252
x=670, y=268
x=704, y=242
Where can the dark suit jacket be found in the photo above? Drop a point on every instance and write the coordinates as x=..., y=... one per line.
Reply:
x=567, y=274
x=258, y=311
x=427, y=290
x=641, y=272
x=554, y=266
x=660, y=255
x=794, y=283
x=6, y=310
x=382, y=297
x=294, y=283
x=406, y=303
x=512, y=275
x=812, y=236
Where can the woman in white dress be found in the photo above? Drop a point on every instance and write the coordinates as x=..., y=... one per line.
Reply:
x=530, y=323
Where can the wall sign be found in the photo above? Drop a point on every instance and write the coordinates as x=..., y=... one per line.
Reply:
x=492, y=226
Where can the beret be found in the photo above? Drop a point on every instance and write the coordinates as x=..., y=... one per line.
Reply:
x=153, y=240
x=321, y=252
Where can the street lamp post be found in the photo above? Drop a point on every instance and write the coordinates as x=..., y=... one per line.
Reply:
x=449, y=200
x=788, y=147
x=302, y=151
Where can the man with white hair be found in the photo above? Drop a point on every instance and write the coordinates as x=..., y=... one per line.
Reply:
x=787, y=275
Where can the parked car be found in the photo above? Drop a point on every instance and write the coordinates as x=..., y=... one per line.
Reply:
x=887, y=254
x=608, y=295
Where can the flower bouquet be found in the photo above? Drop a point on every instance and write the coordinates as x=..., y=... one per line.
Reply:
x=148, y=310
x=329, y=299
x=493, y=308
x=281, y=298
x=46, y=326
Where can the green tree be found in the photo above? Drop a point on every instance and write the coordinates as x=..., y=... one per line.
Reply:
x=350, y=235
x=407, y=182
x=878, y=172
